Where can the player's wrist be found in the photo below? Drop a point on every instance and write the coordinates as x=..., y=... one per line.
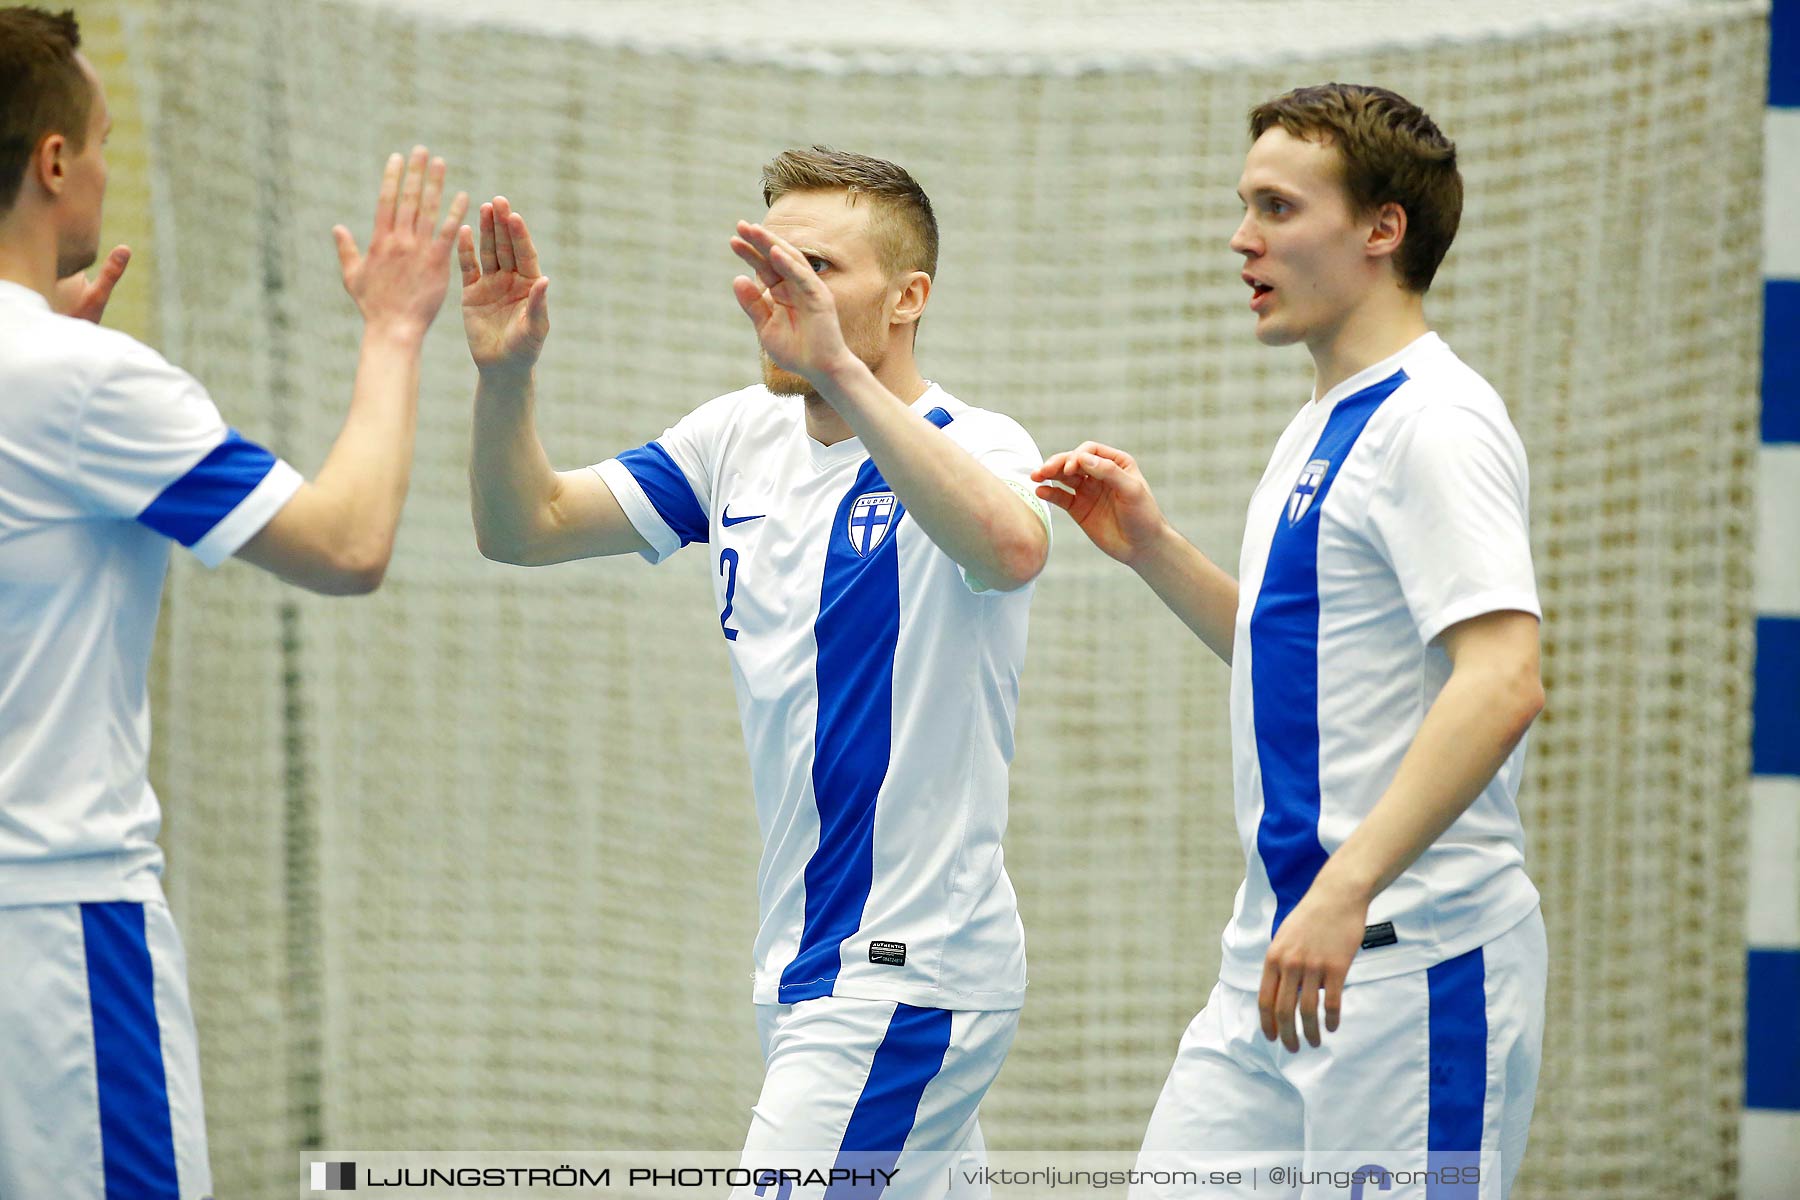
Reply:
x=1344, y=880
x=508, y=376
x=1156, y=550
x=838, y=376
x=402, y=332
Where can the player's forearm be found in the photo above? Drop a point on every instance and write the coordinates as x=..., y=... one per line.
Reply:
x=1195, y=588
x=511, y=482
x=365, y=476
x=1475, y=722
x=964, y=508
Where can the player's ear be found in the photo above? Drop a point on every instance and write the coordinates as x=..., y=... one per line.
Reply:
x=50, y=163
x=913, y=290
x=1386, y=230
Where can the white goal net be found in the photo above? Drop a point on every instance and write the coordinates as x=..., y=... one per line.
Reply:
x=470, y=864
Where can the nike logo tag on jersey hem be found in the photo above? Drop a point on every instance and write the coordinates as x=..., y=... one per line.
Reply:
x=888, y=954
x=1375, y=936
x=727, y=520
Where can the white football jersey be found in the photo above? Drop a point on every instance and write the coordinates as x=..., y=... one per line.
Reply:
x=107, y=453
x=877, y=688
x=1394, y=506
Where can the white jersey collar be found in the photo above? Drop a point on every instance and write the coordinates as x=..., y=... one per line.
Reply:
x=1423, y=344
x=826, y=457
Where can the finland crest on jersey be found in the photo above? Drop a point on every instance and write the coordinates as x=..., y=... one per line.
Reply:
x=1311, y=476
x=870, y=519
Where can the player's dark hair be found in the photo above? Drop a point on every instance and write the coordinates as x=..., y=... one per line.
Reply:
x=1392, y=154
x=42, y=90
x=904, y=227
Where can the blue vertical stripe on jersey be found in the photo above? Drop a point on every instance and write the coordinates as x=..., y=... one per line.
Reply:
x=1772, y=1035
x=187, y=509
x=137, y=1140
x=668, y=489
x=1781, y=359
x=909, y=1057
x=856, y=631
x=1284, y=668
x=1457, y=1091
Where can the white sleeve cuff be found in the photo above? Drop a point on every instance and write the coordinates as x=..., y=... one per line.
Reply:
x=251, y=514
x=642, y=514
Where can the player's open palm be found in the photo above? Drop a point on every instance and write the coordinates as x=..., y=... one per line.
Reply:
x=794, y=313
x=1107, y=496
x=402, y=278
x=505, y=298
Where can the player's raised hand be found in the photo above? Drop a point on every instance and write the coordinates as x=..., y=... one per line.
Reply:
x=794, y=313
x=1108, y=497
x=401, y=281
x=79, y=296
x=505, y=298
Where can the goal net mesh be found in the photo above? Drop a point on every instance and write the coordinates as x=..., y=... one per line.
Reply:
x=470, y=863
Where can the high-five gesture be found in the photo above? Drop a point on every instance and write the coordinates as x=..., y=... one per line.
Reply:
x=402, y=279
x=505, y=299
x=794, y=313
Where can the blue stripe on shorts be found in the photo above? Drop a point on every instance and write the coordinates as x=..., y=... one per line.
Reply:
x=136, y=1134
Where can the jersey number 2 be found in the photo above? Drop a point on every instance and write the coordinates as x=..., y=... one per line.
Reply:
x=728, y=564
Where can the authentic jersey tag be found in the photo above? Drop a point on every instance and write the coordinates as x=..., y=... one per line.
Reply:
x=888, y=954
x=1379, y=935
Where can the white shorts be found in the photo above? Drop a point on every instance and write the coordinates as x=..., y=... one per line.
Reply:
x=1428, y=1069
x=860, y=1083
x=99, y=1073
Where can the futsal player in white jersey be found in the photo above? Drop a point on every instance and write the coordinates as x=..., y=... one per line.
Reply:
x=107, y=455
x=873, y=543
x=1382, y=634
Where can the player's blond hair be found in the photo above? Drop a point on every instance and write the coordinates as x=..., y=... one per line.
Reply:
x=1392, y=154
x=902, y=223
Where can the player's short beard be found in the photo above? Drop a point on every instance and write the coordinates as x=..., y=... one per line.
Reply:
x=77, y=255
x=865, y=341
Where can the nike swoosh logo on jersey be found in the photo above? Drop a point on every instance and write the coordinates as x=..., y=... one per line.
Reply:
x=727, y=520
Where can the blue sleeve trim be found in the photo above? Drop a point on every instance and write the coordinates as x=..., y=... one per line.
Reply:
x=668, y=489
x=187, y=509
